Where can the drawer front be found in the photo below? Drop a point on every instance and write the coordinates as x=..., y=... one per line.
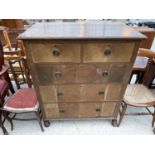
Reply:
x=80, y=110
x=107, y=52
x=72, y=110
x=66, y=74
x=55, y=74
x=47, y=52
x=81, y=93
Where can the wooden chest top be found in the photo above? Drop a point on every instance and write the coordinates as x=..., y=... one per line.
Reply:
x=81, y=30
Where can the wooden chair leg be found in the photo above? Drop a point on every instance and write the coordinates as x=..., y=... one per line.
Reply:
x=137, y=77
x=6, y=116
x=122, y=113
x=154, y=130
x=11, y=122
x=3, y=127
x=39, y=120
x=153, y=120
x=7, y=78
x=130, y=78
x=141, y=77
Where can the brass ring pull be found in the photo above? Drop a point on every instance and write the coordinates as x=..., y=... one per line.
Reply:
x=105, y=73
x=107, y=52
x=57, y=74
x=56, y=52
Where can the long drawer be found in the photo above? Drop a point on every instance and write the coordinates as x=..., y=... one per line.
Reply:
x=82, y=73
x=81, y=110
x=81, y=93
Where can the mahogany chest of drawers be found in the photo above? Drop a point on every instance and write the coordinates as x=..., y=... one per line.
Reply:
x=80, y=70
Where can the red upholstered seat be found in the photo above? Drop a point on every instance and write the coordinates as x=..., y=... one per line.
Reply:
x=3, y=86
x=23, y=99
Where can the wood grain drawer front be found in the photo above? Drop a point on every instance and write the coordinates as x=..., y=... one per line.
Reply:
x=51, y=110
x=67, y=74
x=108, y=109
x=47, y=52
x=108, y=52
x=81, y=110
x=81, y=93
x=55, y=74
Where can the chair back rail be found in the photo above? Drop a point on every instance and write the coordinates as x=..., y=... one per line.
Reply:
x=24, y=70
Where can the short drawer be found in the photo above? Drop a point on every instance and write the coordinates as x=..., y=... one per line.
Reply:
x=48, y=52
x=81, y=93
x=108, y=52
x=68, y=74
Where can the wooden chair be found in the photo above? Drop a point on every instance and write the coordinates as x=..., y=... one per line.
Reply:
x=5, y=69
x=138, y=95
x=9, y=51
x=142, y=62
x=23, y=101
x=12, y=53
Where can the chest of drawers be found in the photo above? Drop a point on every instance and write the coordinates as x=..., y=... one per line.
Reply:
x=80, y=70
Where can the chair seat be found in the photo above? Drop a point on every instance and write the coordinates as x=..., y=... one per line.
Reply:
x=23, y=100
x=139, y=96
x=3, y=86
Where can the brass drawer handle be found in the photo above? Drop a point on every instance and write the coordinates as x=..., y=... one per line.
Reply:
x=105, y=73
x=98, y=109
x=101, y=92
x=62, y=111
x=107, y=52
x=60, y=94
x=56, y=52
x=57, y=74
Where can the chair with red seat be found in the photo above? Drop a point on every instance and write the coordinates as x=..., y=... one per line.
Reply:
x=24, y=100
x=4, y=86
